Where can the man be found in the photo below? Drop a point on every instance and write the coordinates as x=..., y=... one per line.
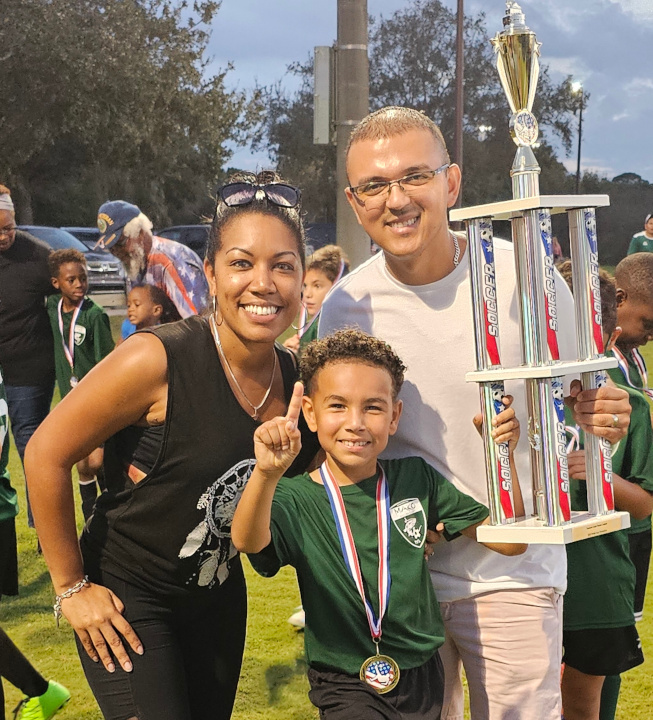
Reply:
x=502, y=615
x=169, y=265
x=26, y=345
x=643, y=241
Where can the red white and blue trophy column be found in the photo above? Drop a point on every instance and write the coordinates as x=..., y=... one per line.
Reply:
x=541, y=369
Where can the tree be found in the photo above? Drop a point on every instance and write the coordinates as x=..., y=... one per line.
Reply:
x=412, y=62
x=112, y=98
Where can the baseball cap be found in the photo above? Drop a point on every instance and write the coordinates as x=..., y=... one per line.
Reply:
x=111, y=219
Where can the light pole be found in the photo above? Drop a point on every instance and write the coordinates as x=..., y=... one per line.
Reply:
x=577, y=87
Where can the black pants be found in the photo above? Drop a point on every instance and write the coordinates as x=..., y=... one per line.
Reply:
x=193, y=651
x=418, y=695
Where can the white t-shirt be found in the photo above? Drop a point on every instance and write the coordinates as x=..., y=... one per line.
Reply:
x=430, y=327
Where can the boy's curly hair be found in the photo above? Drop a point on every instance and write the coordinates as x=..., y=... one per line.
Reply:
x=608, y=295
x=350, y=346
x=60, y=257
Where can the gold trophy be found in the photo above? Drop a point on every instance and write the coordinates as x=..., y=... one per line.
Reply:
x=542, y=371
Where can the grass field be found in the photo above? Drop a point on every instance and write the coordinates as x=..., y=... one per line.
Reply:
x=273, y=684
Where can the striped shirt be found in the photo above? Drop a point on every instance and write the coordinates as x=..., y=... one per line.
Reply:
x=179, y=272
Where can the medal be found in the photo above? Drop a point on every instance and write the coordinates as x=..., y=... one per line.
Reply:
x=69, y=347
x=379, y=671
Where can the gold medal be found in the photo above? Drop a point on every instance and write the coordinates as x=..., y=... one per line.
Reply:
x=380, y=672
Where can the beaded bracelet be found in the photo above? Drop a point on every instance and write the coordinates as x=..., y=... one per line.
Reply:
x=66, y=594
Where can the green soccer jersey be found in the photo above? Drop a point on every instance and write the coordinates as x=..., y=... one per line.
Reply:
x=617, y=376
x=92, y=337
x=600, y=574
x=640, y=242
x=8, y=501
x=310, y=334
x=337, y=635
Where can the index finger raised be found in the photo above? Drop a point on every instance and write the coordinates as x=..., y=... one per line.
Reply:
x=295, y=404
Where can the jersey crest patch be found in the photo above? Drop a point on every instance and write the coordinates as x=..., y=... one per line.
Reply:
x=409, y=518
x=79, y=334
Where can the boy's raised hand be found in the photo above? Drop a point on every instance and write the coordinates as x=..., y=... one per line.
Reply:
x=277, y=442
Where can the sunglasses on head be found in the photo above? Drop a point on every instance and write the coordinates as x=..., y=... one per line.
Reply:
x=242, y=193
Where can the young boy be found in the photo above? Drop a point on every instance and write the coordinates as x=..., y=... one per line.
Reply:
x=82, y=337
x=599, y=635
x=634, y=280
x=355, y=531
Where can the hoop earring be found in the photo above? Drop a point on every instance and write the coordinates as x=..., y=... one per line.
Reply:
x=215, y=310
x=302, y=319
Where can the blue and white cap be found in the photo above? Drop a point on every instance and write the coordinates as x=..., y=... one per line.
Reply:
x=112, y=218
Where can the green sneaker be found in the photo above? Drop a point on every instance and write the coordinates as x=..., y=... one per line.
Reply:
x=44, y=706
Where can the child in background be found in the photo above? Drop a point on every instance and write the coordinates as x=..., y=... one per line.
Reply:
x=43, y=699
x=599, y=635
x=82, y=337
x=323, y=270
x=352, y=521
x=147, y=306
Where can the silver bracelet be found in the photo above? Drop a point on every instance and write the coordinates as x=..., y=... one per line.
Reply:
x=66, y=594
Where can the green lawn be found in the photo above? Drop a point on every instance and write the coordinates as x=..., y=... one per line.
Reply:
x=273, y=684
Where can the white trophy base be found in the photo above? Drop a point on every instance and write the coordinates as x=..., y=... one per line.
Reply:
x=535, y=532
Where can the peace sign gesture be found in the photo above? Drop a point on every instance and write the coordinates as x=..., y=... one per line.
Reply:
x=277, y=442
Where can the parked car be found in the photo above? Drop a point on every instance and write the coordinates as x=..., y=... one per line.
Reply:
x=196, y=237
x=106, y=275
x=89, y=236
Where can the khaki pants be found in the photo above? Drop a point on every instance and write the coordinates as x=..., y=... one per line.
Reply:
x=510, y=644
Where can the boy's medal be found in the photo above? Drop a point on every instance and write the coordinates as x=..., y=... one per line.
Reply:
x=641, y=369
x=69, y=347
x=379, y=671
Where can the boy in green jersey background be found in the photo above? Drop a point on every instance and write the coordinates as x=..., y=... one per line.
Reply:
x=42, y=698
x=82, y=337
x=332, y=521
x=599, y=635
x=634, y=281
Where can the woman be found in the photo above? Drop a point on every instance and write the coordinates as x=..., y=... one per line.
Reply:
x=164, y=609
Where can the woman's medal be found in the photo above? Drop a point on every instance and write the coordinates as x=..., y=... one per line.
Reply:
x=69, y=347
x=379, y=671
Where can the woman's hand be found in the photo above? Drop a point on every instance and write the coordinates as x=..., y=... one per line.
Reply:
x=604, y=412
x=505, y=426
x=95, y=613
x=277, y=442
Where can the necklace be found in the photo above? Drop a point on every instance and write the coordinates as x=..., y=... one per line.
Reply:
x=218, y=344
x=456, y=254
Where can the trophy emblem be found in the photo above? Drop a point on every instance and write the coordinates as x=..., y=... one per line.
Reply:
x=550, y=518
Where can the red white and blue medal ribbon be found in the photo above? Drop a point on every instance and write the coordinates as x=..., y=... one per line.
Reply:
x=69, y=347
x=349, y=547
x=641, y=368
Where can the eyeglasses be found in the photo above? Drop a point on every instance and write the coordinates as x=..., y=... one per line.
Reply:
x=7, y=230
x=374, y=194
x=241, y=193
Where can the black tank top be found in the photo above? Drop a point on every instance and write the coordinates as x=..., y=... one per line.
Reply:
x=171, y=531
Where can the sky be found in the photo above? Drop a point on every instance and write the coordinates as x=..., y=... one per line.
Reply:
x=605, y=44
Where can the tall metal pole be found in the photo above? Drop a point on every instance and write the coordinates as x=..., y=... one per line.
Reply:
x=460, y=72
x=352, y=105
x=580, y=138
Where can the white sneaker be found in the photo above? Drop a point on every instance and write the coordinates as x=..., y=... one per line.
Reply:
x=298, y=618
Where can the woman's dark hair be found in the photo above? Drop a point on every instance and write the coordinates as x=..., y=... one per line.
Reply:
x=224, y=214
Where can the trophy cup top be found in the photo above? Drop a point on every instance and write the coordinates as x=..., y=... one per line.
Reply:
x=514, y=19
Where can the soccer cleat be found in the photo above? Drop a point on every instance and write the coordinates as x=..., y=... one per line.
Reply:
x=298, y=618
x=44, y=706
